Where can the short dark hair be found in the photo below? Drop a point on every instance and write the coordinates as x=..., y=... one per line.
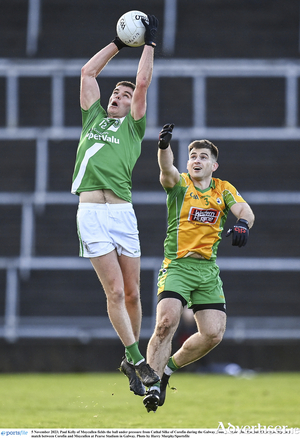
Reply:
x=205, y=144
x=126, y=84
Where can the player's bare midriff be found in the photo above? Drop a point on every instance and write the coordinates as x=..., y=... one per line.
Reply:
x=104, y=196
x=195, y=255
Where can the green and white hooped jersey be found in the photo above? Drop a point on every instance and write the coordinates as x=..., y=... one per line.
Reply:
x=107, y=152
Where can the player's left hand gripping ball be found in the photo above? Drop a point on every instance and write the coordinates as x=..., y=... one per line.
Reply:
x=240, y=233
x=151, y=29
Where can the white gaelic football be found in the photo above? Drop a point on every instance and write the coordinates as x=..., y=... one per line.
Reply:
x=130, y=28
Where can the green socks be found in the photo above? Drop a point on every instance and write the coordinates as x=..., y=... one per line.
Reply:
x=133, y=354
x=171, y=366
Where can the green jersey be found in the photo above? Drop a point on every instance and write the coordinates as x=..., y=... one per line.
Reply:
x=107, y=152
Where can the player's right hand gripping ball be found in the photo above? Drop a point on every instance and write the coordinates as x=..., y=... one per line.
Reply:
x=165, y=136
x=240, y=233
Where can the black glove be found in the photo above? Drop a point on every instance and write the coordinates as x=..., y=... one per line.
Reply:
x=151, y=29
x=119, y=43
x=240, y=233
x=165, y=136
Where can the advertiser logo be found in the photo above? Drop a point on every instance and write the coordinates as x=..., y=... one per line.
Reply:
x=209, y=216
x=102, y=137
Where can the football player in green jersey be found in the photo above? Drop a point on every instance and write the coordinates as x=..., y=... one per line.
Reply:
x=109, y=147
x=198, y=205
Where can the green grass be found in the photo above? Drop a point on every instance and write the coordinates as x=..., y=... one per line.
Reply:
x=104, y=401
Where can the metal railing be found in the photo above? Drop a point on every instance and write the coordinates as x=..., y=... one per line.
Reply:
x=12, y=325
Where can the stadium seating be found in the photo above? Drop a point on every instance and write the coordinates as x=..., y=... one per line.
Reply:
x=232, y=74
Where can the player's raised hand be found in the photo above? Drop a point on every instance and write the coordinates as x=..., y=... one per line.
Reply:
x=151, y=29
x=119, y=43
x=240, y=233
x=165, y=136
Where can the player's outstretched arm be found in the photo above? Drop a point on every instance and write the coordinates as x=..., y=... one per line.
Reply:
x=89, y=88
x=169, y=174
x=145, y=69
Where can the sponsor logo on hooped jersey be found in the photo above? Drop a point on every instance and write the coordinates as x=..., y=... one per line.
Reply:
x=209, y=216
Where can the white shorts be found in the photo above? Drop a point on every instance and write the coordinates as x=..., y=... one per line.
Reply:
x=102, y=228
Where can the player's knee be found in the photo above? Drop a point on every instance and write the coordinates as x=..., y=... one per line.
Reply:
x=214, y=338
x=217, y=339
x=165, y=327
x=115, y=296
x=132, y=298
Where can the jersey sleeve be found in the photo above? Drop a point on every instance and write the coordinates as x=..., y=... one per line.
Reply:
x=139, y=126
x=230, y=195
x=89, y=115
x=176, y=190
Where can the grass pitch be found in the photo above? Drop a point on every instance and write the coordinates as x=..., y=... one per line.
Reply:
x=103, y=400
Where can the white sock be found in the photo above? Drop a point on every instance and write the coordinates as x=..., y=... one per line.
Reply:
x=155, y=388
x=143, y=360
x=168, y=371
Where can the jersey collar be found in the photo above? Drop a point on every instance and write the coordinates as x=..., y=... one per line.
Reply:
x=212, y=185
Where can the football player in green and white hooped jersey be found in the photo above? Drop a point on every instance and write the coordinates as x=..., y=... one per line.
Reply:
x=109, y=147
